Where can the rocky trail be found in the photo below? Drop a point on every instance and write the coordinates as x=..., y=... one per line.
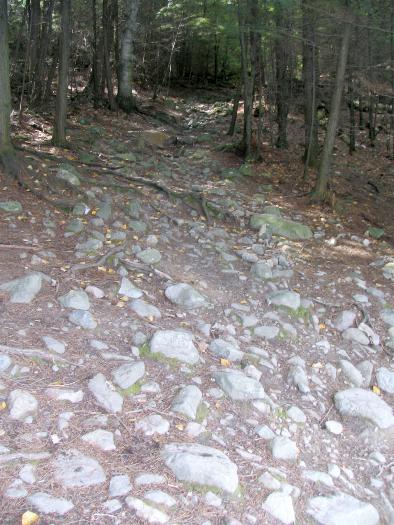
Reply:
x=192, y=347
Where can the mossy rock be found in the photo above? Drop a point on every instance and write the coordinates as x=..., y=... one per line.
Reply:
x=281, y=227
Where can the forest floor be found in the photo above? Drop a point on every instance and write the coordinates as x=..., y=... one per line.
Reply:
x=260, y=391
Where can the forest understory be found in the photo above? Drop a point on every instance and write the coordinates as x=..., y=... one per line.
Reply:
x=184, y=336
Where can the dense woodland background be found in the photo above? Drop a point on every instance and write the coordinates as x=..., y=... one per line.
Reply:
x=331, y=61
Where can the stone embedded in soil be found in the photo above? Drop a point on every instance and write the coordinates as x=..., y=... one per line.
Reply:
x=5, y=362
x=318, y=477
x=153, y=424
x=69, y=174
x=387, y=315
x=21, y=404
x=10, y=206
x=82, y=318
x=261, y=270
x=187, y=401
x=72, y=469
x=65, y=394
x=342, y=509
x=101, y=439
x=144, y=309
x=207, y=466
x=149, y=256
x=119, y=485
x=175, y=345
x=24, y=289
x=48, y=504
x=344, y=320
x=335, y=427
x=127, y=375
x=145, y=511
x=284, y=448
x=282, y=227
x=105, y=394
x=149, y=479
x=128, y=289
x=357, y=402
x=351, y=372
x=226, y=350
x=280, y=506
x=54, y=345
x=385, y=379
x=356, y=336
x=184, y=295
x=239, y=386
x=76, y=299
x=285, y=298
x=266, y=332
x=160, y=498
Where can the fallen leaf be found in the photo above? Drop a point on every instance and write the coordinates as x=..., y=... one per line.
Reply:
x=224, y=362
x=30, y=518
x=179, y=426
x=376, y=390
x=3, y=405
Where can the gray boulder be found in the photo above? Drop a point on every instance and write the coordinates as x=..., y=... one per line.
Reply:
x=175, y=345
x=203, y=465
x=281, y=227
x=72, y=469
x=357, y=402
x=187, y=401
x=342, y=509
x=76, y=299
x=24, y=289
x=239, y=386
x=184, y=295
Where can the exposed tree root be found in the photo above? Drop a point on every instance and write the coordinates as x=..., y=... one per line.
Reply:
x=81, y=267
x=34, y=352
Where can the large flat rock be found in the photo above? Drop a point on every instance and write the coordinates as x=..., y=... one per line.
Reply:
x=282, y=227
x=357, y=402
x=203, y=465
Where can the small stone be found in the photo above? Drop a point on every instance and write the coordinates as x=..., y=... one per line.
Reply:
x=285, y=298
x=355, y=335
x=16, y=489
x=95, y=292
x=335, y=427
x=105, y=394
x=65, y=394
x=24, y=289
x=351, y=372
x=146, y=512
x=153, y=424
x=27, y=474
x=144, y=309
x=342, y=509
x=129, y=290
x=47, y=504
x=284, y=448
x=269, y=481
x=119, y=485
x=112, y=505
x=127, y=375
x=385, y=379
x=69, y=174
x=239, y=386
x=261, y=270
x=73, y=469
x=266, y=332
x=10, y=206
x=280, y=506
x=184, y=295
x=149, y=256
x=357, y=402
x=101, y=439
x=223, y=349
x=160, y=498
x=54, y=345
x=344, y=320
x=175, y=345
x=149, y=479
x=82, y=318
x=318, y=477
x=5, y=362
x=187, y=401
x=212, y=499
x=195, y=463
x=76, y=299
x=296, y=414
x=264, y=432
x=21, y=405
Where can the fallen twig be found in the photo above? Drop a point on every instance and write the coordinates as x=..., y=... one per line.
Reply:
x=35, y=352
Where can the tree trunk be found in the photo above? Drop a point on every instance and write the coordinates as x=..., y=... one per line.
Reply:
x=34, y=40
x=39, y=76
x=95, y=62
x=352, y=117
x=125, y=95
x=106, y=57
x=283, y=75
x=321, y=190
x=234, y=114
x=59, y=129
x=5, y=92
x=310, y=71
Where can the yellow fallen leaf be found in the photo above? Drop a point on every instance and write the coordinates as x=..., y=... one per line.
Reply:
x=124, y=226
x=93, y=212
x=243, y=301
x=30, y=518
x=376, y=390
x=124, y=298
x=101, y=268
x=322, y=326
x=179, y=426
x=3, y=405
x=224, y=362
x=111, y=270
x=150, y=318
x=119, y=304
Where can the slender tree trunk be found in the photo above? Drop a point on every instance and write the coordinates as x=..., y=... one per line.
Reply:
x=321, y=190
x=95, y=62
x=34, y=41
x=234, y=114
x=5, y=91
x=106, y=57
x=59, y=129
x=310, y=70
x=352, y=117
x=39, y=76
x=125, y=95
x=247, y=77
x=283, y=75
x=392, y=78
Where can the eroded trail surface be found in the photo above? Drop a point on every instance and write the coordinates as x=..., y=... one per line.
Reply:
x=162, y=364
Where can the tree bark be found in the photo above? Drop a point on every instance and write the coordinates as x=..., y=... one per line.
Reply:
x=95, y=61
x=283, y=75
x=310, y=71
x=106, y=57
x=39, y=75
x=125, y=95
x=5, y=91
x=321, y=191
x=59, y=129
